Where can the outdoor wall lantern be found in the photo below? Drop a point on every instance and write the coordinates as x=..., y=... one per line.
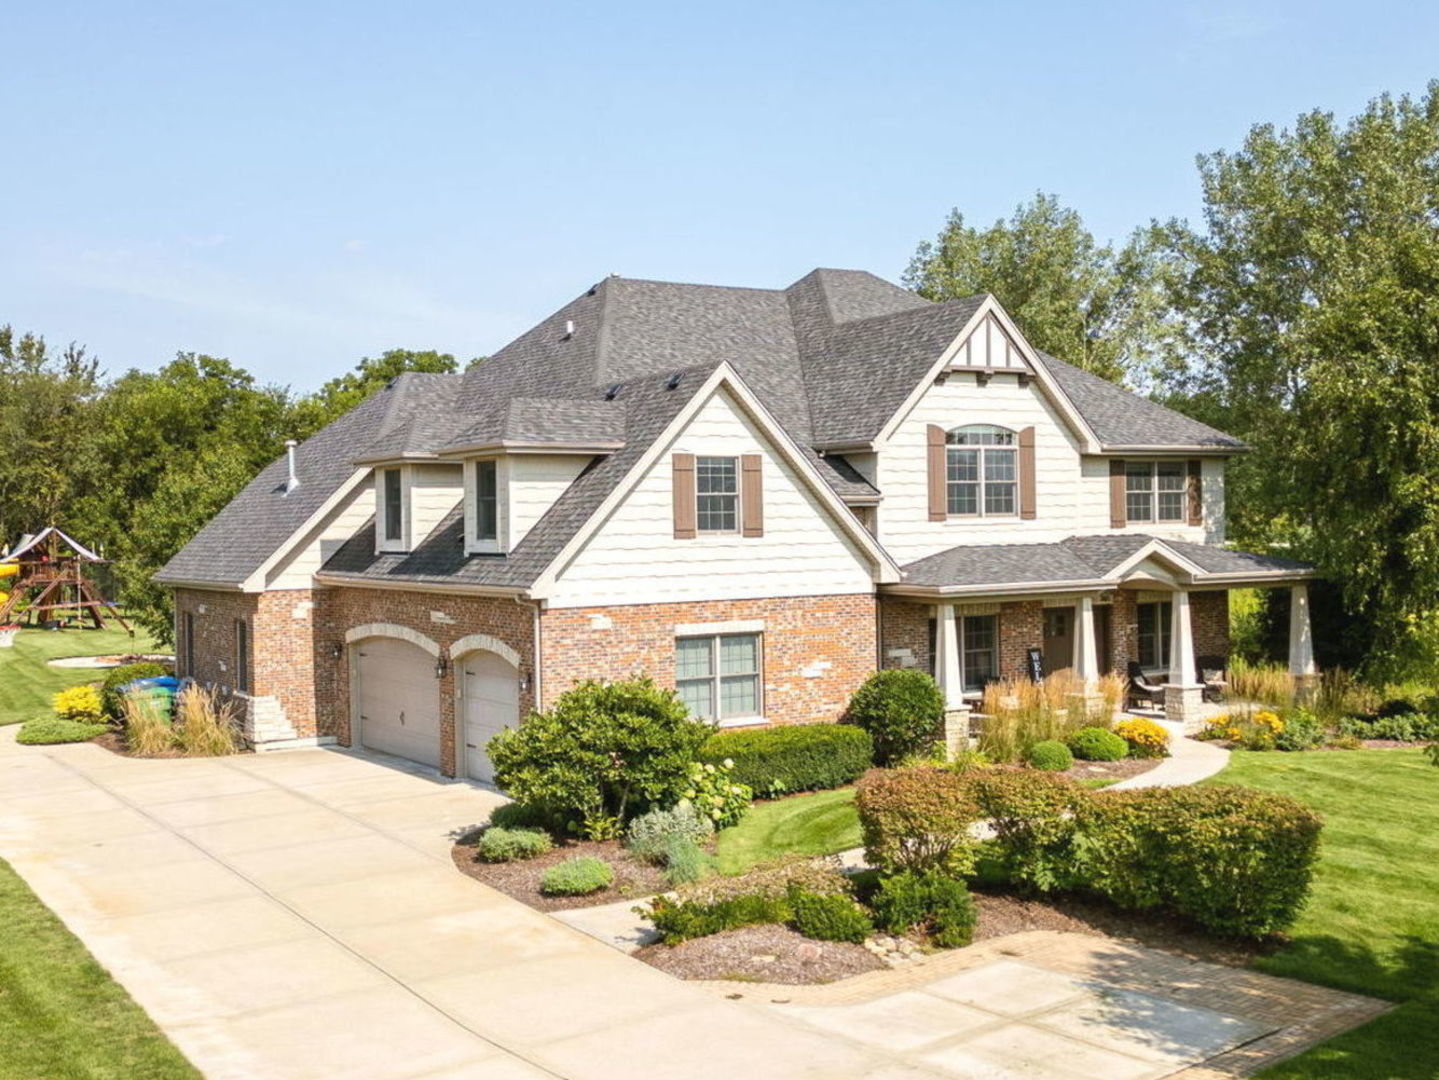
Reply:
x=441, y=667
x=524, y=681
x=337, y=650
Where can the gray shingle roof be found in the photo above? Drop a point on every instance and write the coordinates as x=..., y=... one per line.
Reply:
x=1073, y=560
x=832, y=357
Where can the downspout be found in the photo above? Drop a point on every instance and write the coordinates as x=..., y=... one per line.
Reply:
x=535, y=685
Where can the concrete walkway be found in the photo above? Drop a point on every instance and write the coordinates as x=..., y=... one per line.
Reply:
x=1189, y=762
x=297, y=915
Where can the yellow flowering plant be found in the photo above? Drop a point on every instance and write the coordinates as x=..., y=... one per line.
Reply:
x=1146, y=739
x=78, y=703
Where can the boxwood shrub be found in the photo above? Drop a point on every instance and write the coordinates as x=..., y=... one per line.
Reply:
x=828, y=918
x=1051, y=755
x=903, y=709
x=119, y=676
x=938, y=904
x=1097, y=744
x=798, y=757
x=499, y=844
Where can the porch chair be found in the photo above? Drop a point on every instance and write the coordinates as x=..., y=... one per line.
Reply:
x=1141, y=689
x=1212, y=674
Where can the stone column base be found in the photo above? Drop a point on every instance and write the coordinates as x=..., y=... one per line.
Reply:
x=1305, y=687
x=1184, y=705
x=956, y=731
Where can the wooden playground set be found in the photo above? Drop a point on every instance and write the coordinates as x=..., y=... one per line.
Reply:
x=49, y=586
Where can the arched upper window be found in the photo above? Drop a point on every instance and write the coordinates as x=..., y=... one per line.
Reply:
x=982, y=472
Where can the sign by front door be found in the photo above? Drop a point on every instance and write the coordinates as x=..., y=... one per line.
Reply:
x=1036, y=664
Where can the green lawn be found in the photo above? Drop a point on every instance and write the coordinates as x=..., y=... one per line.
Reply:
x=27, y=682
x=61, y=1015
x=820, y=823
x=1372, y=924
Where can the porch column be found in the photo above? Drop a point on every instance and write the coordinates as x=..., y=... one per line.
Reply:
x=1301, y=635
x=946, y=657
x=1086, y=645
x=1183, y=694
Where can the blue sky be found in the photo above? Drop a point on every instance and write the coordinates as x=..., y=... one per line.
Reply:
x=295, y=185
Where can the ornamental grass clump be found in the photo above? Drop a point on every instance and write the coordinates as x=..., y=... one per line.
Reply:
x=1019, y=712
x=206, y=724
x=148, y=731
x=916, y=818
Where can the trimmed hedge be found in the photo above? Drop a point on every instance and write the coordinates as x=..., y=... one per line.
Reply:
x=1235, y=860
x=916, y=819
x=799, y=757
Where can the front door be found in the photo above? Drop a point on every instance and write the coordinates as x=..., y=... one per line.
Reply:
x=1101, y=634
x=1058, y=639
x=492, y=703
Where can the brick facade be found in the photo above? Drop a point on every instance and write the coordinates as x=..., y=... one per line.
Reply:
x=904, y=626
x=1209, y=614
x=444, y=619
x=817, y=649
x=1021, y=628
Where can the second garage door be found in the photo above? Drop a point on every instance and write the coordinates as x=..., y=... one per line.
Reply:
x=399, y=700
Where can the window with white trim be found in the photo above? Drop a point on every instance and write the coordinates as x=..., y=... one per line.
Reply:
x=717, y=494
x=487, y=500
x=718, y=676
x=981, y=471
x=1154, y=626
x=392, y=502
x=978, y=650
x=1155, y=490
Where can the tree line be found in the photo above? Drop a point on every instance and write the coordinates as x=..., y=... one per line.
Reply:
x=1300, y=313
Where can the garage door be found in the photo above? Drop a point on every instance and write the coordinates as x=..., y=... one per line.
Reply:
x=492, y=703
x=399, y=699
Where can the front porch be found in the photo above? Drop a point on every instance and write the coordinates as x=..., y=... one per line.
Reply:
x=1154, y=611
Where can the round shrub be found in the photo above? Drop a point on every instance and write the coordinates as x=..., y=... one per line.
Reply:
x=122, y=675
x=792, y=757
x=903, y=711
x=1146, y=739
x=938, y=904
x=828, y=918
x=513, y=815
x=602, y=753
x=499, y=844
x=1097, y=744
x=1051, y=755
x=649, y=835
x=916, y=819
x=577, y=877
x=47, y=730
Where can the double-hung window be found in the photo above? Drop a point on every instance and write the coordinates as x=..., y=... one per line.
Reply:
x=718, y=676
x=982, y=471
x=1154, y=490
x=1154, y=626
x=717, y=494
x=978, y=650
x=392, y=490
x=487, y=501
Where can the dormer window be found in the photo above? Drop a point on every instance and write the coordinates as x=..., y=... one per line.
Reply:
x=486, y=517
x=982, y=471
x=392, y=514
x=487, y=500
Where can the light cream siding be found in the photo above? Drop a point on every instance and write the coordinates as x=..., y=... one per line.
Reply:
x=535, y=481
x=904, y=525
x=1095, y=517
x=320, y=543
x=435, y=490
x=634, y=558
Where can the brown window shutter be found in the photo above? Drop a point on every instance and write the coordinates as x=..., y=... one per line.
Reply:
x=684, y=496
x=1118, y=516
x=938, y=474
x=751, y=489
x=1196, y=492
x=1027, y=506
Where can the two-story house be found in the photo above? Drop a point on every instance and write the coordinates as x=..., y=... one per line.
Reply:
x=756, y=496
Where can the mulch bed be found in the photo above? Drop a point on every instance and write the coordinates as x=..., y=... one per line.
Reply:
x=521, y=879
x=772, y=954
x=776, y=954
x=1110, y=770
x=114, y=742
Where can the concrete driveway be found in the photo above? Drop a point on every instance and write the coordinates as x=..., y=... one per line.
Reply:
x=297, y=915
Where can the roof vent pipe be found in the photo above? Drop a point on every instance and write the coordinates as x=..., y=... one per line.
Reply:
x=293, y=481
x=569, y=329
